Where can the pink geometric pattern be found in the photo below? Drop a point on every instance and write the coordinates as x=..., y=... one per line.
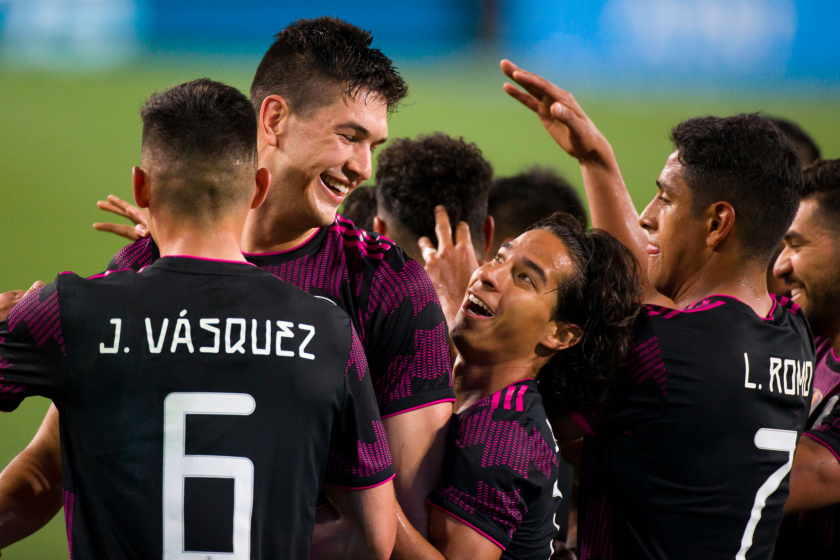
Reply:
x=429, y=361
x=371, y=457
x=69, y=500
x=43, y=318
x=7, y=389
x=357, y=357
x=826, y=380
x=505, y=443
x=506, y=508
x=135, y=255
x=645, y=360
x=388, y=289
x=596, y=543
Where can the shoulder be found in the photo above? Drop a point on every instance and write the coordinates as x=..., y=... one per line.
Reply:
x=135, y=255
x=356, y=242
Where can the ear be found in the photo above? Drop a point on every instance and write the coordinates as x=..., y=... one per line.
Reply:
x=562, y=336
x=140, y=181
x=379, y=226
x=263, y=182
x=274, y=119
x=720, y=219
x=489, y=230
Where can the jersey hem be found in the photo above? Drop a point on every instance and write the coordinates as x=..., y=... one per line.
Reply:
x=467, y=523
x=390, y=478
x=419, y=406
x=426, y=398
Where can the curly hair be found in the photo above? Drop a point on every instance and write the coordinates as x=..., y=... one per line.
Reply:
x=311, y=53
x=414, y=176
x=603, y=298
x=520, y=200
x=822, y=181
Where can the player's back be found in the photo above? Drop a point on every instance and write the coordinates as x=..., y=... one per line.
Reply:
x=203, y=404
x=699, y=437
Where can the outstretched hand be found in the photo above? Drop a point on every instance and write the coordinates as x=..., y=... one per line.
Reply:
x=451, y=265
x=9, y=299
x=122, y=208
x=559, y=113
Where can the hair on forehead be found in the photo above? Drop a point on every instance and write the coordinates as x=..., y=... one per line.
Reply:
x=822, y=183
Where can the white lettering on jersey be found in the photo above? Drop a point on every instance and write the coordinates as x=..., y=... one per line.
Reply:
x=747, y=383
x=156, y=348
x=205, y=324
x=261, y=351
x=178, y=338
x=794, y=375
x=303, y=345
x=284, y=332
x=239, y=346
x=113, y=349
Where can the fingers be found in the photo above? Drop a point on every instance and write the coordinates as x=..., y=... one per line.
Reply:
x=523, y=97
x=128, y=210
x=108, y=207
x=462, y=236
x=443, y=229
x=539, y=87
x=36, y=286
x=426, y=247
x=120, y=229
x=142, y=230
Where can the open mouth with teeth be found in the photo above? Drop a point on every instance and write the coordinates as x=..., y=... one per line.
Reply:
x=336, y=186
x=477, y=307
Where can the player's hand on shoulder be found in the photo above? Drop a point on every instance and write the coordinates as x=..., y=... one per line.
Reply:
x=117, y=206
x=451, y=265
x=9, y=299
x=559, y=113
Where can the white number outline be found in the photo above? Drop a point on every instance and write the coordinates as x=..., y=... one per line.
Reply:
x=770, y=440
x=177, y=466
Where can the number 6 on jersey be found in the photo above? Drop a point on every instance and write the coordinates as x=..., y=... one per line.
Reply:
x=177, y=466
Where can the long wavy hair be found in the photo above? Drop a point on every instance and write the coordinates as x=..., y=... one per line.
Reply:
x=603, y=298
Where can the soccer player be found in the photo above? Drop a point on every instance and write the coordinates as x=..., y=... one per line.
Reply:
x=810, y=268
x=523, y=199
x=413, y=178
x=543, y=326
x=322, y=96
x=689, y=456
x=203, y=403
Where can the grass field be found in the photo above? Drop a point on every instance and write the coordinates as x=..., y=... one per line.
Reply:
x=68, y=140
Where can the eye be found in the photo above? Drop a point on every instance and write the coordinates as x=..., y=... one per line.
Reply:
x=348, y=138
x=526, y=278
x=499, y=258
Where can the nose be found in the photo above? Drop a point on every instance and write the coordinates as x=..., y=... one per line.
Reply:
x=648, y=217
x=783, y=266
x=491, y=274
x=360, y=165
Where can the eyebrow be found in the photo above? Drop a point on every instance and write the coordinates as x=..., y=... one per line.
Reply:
x=793, y=235
x=533, y=266
x=360, y=129
x=506, y=245
x=664, y=187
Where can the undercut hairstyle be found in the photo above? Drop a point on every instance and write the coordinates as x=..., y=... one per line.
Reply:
x=414, y=176
x=807, y=148
x=200, y=140
x=518, y=201
x=822, y=182
x=360, y=207
x=603, y=298
x=746, y=161
x=313, y=60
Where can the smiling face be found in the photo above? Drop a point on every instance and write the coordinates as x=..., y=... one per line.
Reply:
x=810, y=267
x=319, y=158
x=506, y=313
x=676, y=236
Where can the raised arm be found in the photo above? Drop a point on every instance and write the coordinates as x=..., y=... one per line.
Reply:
x=30, y=486
x=356, y=524
x=610, y=204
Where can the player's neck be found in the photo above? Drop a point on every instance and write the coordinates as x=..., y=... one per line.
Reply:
x=275, y=226
x=222, y=244
x=744, y=281
x=474, y=381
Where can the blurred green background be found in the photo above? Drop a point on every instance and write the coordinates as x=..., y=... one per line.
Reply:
x=68, y=140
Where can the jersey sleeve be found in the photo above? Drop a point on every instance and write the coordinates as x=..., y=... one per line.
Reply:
x=135, y=256
x=828, y=432
x=490, y=476
x=32, y=353
x=406, y=338
x=359, y=456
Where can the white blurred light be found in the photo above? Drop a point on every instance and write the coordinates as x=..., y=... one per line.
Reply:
x=69, y=34
x=722, y=34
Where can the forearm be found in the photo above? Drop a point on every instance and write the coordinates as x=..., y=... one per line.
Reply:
x=410, y=544
x=814, y=478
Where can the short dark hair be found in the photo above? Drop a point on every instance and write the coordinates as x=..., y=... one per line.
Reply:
x=360, y=207
x=310, y=54
x=807, y=148
x=822, y=181
x=518, y=201
x=744, y=160
x=199, y=136
x=603, y=298
x=414, y=176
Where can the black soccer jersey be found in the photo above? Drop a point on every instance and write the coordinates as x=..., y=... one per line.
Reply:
x=202, y=406
x=692, y=452
x=500, y=472
x=389, y=297
x=816, y=534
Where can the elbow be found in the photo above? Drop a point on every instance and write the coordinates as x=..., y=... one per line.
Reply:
x=380, y=540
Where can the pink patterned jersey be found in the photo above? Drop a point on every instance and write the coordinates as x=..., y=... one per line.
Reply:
x=688, y=458
x=204, y=404
x=500, y=472
x=389, y=297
